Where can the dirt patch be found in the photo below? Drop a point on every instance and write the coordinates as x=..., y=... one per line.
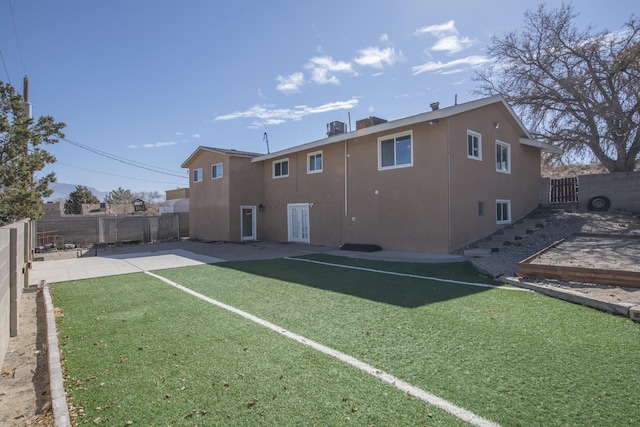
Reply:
x=607, y=252
x=24, y=380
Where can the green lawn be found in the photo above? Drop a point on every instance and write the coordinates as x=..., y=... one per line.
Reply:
x=142, y=351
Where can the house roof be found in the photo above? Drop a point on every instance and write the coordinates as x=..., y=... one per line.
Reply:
x=224, y=151
x=173, y=202
x=442, y=113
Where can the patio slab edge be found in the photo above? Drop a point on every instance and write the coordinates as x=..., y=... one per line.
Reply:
x=56, y=380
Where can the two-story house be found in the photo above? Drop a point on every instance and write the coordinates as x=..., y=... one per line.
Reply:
x=433, y=182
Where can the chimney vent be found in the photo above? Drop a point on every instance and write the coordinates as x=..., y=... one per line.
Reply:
x=434, y=106
x=369, y=121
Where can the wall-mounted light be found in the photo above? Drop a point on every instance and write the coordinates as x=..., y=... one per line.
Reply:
x=261, y=207
x=496, y=125
x=434, y=122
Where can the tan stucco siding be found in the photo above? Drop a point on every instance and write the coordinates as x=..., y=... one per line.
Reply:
x=324, y=191
x=209, y=199
x=245, y=189
x=402, y=208
x=477, y=181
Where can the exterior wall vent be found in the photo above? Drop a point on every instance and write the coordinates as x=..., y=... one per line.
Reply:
x=369, y=121
x=336, y=128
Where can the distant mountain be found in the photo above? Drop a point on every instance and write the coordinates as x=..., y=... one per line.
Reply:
x=61, y=192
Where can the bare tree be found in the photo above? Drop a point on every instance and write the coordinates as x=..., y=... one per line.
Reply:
x=578, y=90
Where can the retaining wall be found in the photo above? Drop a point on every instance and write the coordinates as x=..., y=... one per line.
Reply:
x=15, y=255
x=84, y=231
x=621, y=188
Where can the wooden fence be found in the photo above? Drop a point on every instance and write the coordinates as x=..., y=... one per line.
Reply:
x=564, y=190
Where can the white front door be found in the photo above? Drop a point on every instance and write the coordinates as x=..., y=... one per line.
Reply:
x=298, y=222
x=248, y=223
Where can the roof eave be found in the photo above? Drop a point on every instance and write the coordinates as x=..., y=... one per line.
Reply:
x=541, y=145
x=230, y=153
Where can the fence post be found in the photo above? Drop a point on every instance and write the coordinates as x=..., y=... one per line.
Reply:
x=14, y=295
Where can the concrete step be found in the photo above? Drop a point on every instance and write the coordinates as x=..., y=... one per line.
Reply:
x=501, y=238
x=529, y=227
x=477, y=252
x=514, y=233
x=495, y=246
x=533, y=222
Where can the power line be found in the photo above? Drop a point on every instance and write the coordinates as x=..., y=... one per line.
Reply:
x=5, y=68
x=15, y=31
x=129, y=162
x=119, y=176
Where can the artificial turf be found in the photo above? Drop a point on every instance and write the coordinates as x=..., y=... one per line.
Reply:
x=516, y=358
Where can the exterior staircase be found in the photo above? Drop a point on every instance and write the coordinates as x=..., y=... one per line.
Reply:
x=509, y=234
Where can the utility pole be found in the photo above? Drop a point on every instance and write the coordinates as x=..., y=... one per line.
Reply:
x=28, y=107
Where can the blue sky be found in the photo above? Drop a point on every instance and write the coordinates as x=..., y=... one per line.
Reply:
x=150, y=81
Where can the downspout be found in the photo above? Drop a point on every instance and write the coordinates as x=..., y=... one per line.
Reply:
x=448, y=187
x=346, y=197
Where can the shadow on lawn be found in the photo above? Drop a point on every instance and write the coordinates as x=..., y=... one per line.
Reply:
x=401, y=291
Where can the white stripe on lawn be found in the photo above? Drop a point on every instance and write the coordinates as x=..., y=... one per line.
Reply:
x=427, y=397
x=414, y=276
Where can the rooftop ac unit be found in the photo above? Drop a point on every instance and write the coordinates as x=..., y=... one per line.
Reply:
x=336, y=128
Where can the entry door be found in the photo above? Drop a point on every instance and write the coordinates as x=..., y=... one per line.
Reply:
x=248, y=222
x=298, y=222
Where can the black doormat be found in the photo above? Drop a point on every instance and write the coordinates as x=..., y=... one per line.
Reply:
x=360, y=247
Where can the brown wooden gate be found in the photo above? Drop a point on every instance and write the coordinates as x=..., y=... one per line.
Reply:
x=564, y=190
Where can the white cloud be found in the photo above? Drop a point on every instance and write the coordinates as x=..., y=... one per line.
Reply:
x=377, y=58
x=291, y=83
x=472, y=61
x=325, y=70
x=196, y=136
x=269, y=115
x=447, y=37
x=452, y=44
x=438, y=30
x=159, y=144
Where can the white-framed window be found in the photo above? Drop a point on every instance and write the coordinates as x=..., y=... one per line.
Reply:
x=281, y=168
x=314, y=162
x=216, y=171
x=197, y=175
x=474, y=145
x=503, y=211
x=395, y=151
x=503, y=157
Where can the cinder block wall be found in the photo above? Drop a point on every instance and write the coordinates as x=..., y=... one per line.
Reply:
x=622, y=189
x=111, y=229
x=15, y=252
x=5, y=304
